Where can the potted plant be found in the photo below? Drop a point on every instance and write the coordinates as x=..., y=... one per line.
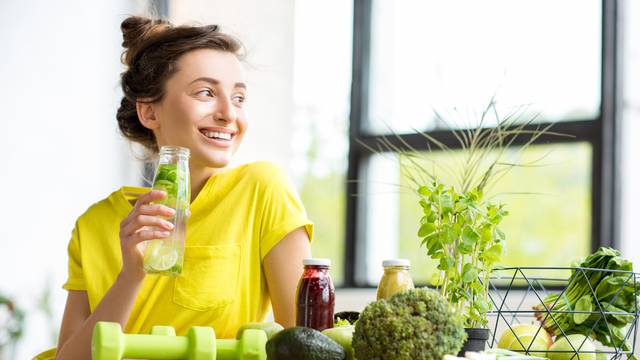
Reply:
x=460, y=226
x=11, y=325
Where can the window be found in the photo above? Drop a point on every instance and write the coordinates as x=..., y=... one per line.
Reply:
x=555, y=213
x=630, y=129
x=412, y=57
x=321, y=121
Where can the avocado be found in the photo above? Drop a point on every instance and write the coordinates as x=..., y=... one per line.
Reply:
x=271, y=328
x=301, y=343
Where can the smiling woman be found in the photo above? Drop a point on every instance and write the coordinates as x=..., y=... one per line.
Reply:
x=248, y=231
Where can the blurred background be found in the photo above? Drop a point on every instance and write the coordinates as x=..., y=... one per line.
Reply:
x=326, y=77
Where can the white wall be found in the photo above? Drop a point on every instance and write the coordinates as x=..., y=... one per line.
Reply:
x=59, y=91
x=266, y=30
x=58, y=134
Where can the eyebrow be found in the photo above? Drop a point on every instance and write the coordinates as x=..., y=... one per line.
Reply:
x=216, y=82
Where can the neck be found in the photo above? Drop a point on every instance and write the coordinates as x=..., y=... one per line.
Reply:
x=199, y=176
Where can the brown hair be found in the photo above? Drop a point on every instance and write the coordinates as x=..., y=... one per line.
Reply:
x=152, y=47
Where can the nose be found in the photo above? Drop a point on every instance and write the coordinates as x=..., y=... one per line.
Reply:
x=225, y=111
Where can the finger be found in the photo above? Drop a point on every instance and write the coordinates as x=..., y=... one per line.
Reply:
x=144, y=235
x=141, y=221
x=153, y=195
x=156, y=209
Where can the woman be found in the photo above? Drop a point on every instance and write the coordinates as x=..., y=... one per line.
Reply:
x=248, y=232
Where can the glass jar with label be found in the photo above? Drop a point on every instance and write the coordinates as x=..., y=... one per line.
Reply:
x=165, y=256
x=396, y=278
x=315, y=295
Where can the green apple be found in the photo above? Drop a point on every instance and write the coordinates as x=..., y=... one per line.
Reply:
x=343, y=335
x=536, y=346
x=586, y=351
x=511, y=335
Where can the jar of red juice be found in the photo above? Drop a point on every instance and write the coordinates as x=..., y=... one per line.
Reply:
x=315, y=295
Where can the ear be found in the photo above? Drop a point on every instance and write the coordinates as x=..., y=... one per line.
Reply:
x=147, y=115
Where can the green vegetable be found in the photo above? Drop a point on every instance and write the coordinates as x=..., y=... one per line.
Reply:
x=566, y=348
x=343, y=335
x=460, y=231
x=413, y=324
x=525, y=337
x=301, y=343
x=593, y=291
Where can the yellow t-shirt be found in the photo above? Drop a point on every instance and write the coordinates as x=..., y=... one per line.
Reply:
x=236, y=219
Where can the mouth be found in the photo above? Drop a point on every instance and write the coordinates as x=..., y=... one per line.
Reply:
x=218, y=137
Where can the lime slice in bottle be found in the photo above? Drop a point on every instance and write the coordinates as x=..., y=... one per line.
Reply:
x=161, y=257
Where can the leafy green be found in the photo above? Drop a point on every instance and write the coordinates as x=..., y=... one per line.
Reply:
x=596, y=303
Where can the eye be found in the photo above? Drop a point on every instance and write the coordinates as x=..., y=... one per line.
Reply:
x=240, y=99
x=206, y=92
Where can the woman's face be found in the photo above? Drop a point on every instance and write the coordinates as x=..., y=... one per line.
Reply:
x=203, y=107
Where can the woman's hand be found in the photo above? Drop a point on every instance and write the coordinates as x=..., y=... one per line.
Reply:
x=144, y=222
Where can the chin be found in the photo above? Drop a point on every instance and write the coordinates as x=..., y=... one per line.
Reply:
x=217, y=160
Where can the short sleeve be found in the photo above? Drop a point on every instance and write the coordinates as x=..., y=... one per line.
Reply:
x=75, y=280
x=283, y=212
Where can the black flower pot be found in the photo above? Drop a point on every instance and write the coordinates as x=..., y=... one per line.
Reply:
x=476, y=340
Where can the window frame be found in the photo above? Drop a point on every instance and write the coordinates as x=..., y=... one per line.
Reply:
x=600, y=132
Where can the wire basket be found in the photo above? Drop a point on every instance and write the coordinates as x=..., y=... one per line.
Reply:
x=546, y=295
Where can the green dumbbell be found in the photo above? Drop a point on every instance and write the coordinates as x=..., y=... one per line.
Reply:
x=110, y=343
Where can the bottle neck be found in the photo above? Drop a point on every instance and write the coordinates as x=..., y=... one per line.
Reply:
x=396, y=268
x=173, y=155
x=310, y=270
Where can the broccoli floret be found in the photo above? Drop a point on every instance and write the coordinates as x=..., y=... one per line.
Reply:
x=414, y=324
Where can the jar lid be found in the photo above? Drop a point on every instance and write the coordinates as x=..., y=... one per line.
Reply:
x=396, y=262
x=316, y=262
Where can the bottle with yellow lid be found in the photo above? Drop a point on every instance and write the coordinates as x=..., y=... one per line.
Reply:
x=396, y=278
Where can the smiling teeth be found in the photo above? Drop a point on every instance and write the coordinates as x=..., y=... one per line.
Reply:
x=217, y=135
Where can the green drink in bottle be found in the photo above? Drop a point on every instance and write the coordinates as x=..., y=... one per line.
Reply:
x=165, y=256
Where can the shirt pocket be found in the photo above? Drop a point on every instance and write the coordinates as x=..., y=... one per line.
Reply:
x=209, y=278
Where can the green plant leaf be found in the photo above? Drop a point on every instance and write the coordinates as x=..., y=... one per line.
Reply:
x=436, y=279
x=583, y=304
x=469, y=273
x=426, y=229
x=477, y=286
x=481, y=305
x=486, y=235
x=493, y=254
x=446, y=263
x=425, y=191
x=470, y=236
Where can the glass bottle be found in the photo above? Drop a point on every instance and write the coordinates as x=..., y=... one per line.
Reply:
x=165, y=256
x=315, y=295
x=396, y=278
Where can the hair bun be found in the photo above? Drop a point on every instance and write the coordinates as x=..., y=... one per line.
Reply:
x=136, y=29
